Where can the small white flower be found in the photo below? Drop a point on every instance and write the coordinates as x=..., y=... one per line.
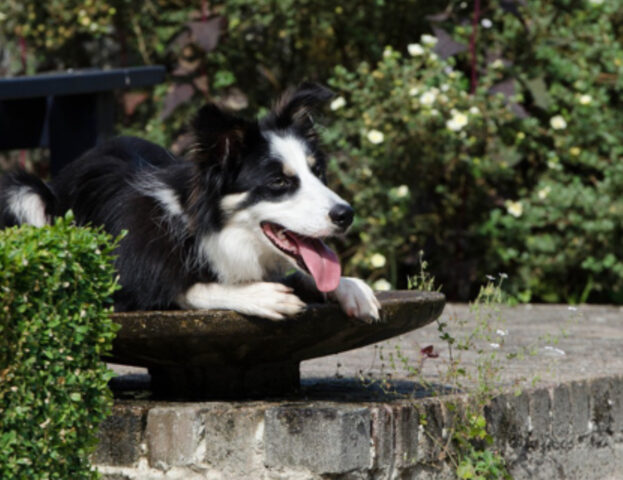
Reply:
x=486, y=23
x=445, y=87
x=544, y=192
x=434, y=112
x=381, y=285
x=558, y=123
x=376, y=137
x=491, y=278
x=495, y=345
x=554, y=351
x=497, y=64
x=338, y=103
x=2, y=16
x=457, y=122
x=433, y=56
x=428, y=98
x=413, y=91
x=474, y=110
x=595, y=2
x=572, y=309
x=514, y=208
x=378, y=260
x=585, y=99
x=448, y=70
x=402, y=191
x=429, y=40
x=415, y=49
x=387, y=52
x=503, y=275
x=501, y=333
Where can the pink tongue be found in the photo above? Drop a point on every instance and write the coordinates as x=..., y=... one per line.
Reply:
x=321, y=261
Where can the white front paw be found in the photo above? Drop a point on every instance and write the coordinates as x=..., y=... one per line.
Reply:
x=357, y=299
x=270, y=300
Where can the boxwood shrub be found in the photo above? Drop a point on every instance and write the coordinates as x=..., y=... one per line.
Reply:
x=56, y=285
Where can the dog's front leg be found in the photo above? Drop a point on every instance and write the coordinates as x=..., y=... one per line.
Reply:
x=354, y=296
x=357, y=299
x=261, y=299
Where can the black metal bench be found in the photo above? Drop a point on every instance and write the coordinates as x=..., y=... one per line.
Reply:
x=67, y=112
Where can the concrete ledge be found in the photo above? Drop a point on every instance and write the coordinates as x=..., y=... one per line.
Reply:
x=569, y=426
x=572, y=430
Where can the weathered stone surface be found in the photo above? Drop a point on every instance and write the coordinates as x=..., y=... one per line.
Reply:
x=601, y=405
x=539, y=422
x=406, y=426
x=580, y=408
x=562, y=413
x=120, y=436
x=382, y=434
x=219, y=337
x=233, y=436
x=172, y=435
x=322, y=439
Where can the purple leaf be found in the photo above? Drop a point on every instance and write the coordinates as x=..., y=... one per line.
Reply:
x=178, y=94
x=206, y=34
x=446, y=45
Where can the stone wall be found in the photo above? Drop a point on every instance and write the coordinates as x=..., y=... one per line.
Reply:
x=573, y=430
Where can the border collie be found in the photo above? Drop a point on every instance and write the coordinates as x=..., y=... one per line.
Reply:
x=220, y=229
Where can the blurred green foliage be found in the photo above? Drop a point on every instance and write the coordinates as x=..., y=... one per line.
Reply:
x=56, y=286
x=521, y=176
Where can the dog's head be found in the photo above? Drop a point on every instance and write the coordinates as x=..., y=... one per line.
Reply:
x=268, y=177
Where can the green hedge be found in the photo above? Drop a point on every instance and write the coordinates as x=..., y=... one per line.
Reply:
x=56, y=284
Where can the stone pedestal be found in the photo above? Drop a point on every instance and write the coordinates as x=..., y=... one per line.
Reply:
x=222, y=354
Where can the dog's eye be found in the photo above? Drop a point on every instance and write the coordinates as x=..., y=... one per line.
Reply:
x=280, y=183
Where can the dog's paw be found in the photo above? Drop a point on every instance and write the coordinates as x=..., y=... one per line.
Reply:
x=269, y=300
x=357, y=299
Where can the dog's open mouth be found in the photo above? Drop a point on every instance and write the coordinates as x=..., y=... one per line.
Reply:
x=311, y=254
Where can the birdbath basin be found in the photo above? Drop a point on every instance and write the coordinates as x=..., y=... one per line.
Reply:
x=222, y=354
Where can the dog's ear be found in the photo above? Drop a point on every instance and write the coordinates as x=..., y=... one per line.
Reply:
x=295, y=106
x=219, y=137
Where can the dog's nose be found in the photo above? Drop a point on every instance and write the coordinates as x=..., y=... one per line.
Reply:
x=342, y=215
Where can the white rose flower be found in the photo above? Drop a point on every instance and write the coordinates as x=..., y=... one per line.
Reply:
x=429, y=40
x=514, y=208
x=497, y=64
x=338, y=103
x=415, y=49
x=585, y=99
x=428, y=98
x=378, y=260
x=558, y=123
x=382, y=285
x=376, y=137
x=457, y=122
x=544, y=192
x=401, y=191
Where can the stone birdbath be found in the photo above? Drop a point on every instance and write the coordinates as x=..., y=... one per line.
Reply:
x=222, y=354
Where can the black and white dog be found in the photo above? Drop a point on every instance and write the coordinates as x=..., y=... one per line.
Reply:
x=219, y=230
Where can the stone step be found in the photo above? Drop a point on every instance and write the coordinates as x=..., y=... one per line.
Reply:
x=568, y=426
